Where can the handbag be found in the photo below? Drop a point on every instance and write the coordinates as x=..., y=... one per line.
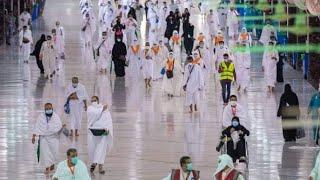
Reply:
x=66, y=107
x=99, y=132
x=301, y=133
x=25, y=40
x=163, y=71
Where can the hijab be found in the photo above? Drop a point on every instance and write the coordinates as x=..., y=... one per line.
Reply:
x=224, y=161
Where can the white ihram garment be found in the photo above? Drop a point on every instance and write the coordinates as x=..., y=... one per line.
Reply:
x=48, y=131
x=270, y=67
x=25, y=47
x=99, y=146
x=242, y=66
x=76, y=106
x=194, y=84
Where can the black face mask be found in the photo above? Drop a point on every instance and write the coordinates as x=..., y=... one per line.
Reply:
x=49, y=115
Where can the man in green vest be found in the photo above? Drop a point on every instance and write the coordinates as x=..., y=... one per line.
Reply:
x=227, y=76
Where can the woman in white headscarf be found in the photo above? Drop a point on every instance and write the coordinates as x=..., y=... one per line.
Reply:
x=245, y=37
x=226, y=170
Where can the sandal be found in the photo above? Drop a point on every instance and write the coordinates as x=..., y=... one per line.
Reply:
x=92, y=168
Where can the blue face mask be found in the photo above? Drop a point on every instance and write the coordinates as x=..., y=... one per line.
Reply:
x=235, y=123
x=48, y=112
x=74, y=160
x=189, y=167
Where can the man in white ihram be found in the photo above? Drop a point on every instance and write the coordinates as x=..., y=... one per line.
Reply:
x=24, y=19
x=77, y=96
x=47, y=127
x=25, y=42
x=234, y=109
x=193, y=83
x=48, y=56
x=242, y=66
x=59, y=40
x=100, y=135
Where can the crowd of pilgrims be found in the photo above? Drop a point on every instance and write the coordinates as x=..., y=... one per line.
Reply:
x=172, y=55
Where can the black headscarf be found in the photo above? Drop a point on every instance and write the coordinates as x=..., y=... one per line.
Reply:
x=288, y=98
x=38, y=45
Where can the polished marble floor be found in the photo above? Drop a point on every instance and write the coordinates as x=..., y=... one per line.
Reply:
x=151, y=131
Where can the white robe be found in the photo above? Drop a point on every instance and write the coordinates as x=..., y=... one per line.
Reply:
x=213, y=23
x=147, y=65
x=176, y=48
x=25, y=47
x=90, y=29
x=153, y=29
x=48, y=131
x=106, y=19
x=207, y=62
x=24, y=19
x=99, y=146
x=232, y=23
x=131, y=29
x=240, y=112
x=162, y=22
x=266, y=33
x=104, y=59
x=242, y=67
x=49, y=53
x=181, y=176
x=158, y=64
x=135, y=63
x=173, y=85
x=270, y=67
x=63, y=171
x=59, y=40
x=76, y=106
x=194, y=84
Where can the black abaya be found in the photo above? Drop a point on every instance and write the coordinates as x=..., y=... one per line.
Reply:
x=119, y=51
x=36, y=52
x=289, y=111
x=188, y=37
x=280, y=68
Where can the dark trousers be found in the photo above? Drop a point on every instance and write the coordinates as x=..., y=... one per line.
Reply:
x=226, y=90
x=188, y=45
x=240, y=150
x=39, y=63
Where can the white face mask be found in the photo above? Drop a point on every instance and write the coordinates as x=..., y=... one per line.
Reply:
x=233, y=103
x=94, y=103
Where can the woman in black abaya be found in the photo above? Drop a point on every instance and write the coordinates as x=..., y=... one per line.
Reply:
x=289, y=111
x=119, y=52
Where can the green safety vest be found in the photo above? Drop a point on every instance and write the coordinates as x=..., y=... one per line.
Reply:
x=227, y=72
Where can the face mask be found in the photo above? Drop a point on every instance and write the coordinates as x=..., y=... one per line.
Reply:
x=201, y=45
x=74, y=85
x=74, y=160
x=225, y=59
x=104, y=37
x=233, y=103
x=235, y=123
x=118, y=40
x=95, y=103
x=189, y=167
x=221, y=46
x=48, y=112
